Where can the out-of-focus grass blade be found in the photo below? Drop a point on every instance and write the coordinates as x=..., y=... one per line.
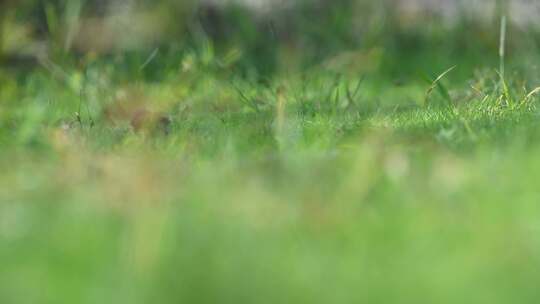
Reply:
x=533, y=92
x=442, y=89
x=506, y=90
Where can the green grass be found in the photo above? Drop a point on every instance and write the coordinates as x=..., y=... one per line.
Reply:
x=362, y=178
x=295, y=191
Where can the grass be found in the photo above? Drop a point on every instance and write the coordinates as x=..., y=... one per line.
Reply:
x=294, y=199
x=314, y=186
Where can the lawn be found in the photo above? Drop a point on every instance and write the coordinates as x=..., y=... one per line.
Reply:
x=372, y=176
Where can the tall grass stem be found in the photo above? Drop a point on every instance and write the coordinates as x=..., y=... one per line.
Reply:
x=502, y=46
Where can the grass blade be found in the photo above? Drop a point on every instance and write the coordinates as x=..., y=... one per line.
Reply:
x=436, y=84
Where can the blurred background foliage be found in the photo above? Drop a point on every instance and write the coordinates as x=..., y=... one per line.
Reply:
x=262, y=38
